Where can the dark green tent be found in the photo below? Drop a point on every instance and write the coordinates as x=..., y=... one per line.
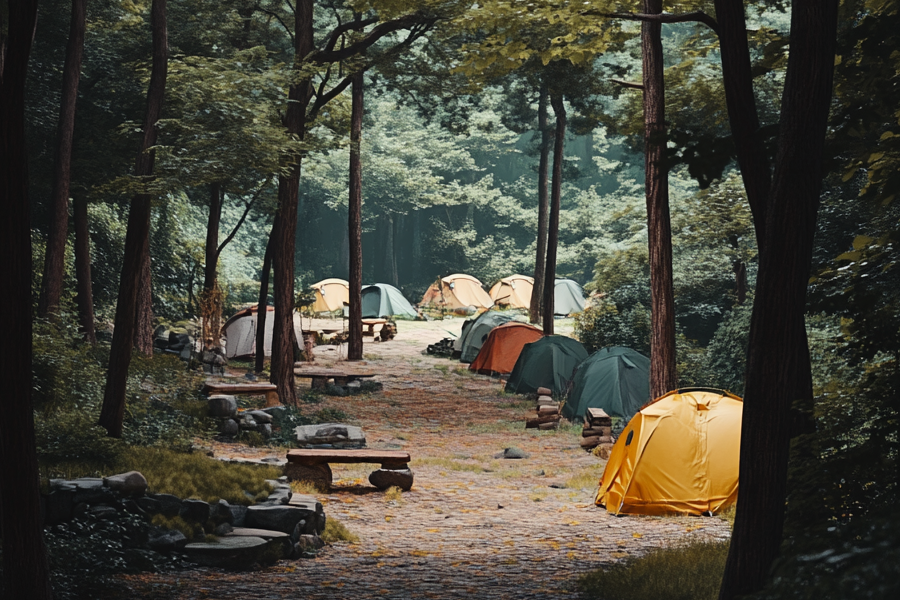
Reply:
x=473, y=337
x=615, y=379
x=384, y=300
x=549, y=362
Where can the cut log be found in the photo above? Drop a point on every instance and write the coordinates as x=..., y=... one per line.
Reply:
x=607, y=439
x=589, y=431
x=547, y=426
x=542, y=400
x=534, y=423
x=542, y=391
x=590, y=442
x=604, y=451
x=548, y=410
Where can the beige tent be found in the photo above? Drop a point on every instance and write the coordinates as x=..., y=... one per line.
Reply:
x=240, y=332
x=513, y=291
x=331, y=294
x=457, y=291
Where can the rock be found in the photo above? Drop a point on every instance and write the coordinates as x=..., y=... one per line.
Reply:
x=385, y=478
x=222, y=406
x=170, y=505
x=354, y=387
x=512, y=453
x=228, y=427
x=260, y=416
x=238, y=514
x=335, y=390
x=58, y=505
x=245, y=421
x=166, y=540
x=149, y=505
x=278, y=518
x=179, y=339
x=131, y=483
x=329, y=433
x=542, y=391
x=91, y=490
x=185, y=354
x=223, y=512
x=102, y=512
x=264, y=429
x=273, y=537
x=306, y=544
x=229, y=552
x=223, y=529
x=195, y=510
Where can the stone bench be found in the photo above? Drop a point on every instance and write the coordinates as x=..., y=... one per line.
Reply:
x=237, y=389
x=320, y=378
x=371, y=323
x=313, y=466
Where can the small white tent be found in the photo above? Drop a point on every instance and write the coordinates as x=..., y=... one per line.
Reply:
x=240, y=332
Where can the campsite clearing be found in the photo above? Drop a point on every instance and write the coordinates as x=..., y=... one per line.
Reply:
x=474, y=525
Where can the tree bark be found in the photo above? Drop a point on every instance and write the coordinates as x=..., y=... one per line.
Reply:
x=25, y=571
x=663, y=375
x=778, y=366
x=85, y=294
x=211, y=251
x=537, y=292
x=54, y=258
x=285, y=225
x=354, y=220
x=112, y=412
x=143, y=312
x=559, y=144
x=262, y=309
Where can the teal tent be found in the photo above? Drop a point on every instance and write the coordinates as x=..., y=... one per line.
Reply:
x=383, y=300
x=615, y=379
x=473, y=336
x=568, y=297
x=549, y=362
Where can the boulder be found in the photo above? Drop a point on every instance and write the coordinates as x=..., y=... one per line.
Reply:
x=102, y=512
x=260, y=416
x=385, y=478
x=195, y=510
x=222, y=406
x=238, y=514
x=223, y=529
x=264, y=429
x=229, y=552
x=512, y=452
x=166, y=540
x=169, y=505
x=228, y=427
x=149, y=505
x=223, y=513
x=278, y=518
x=307, y=544
x=91, y=490
x=131, y=483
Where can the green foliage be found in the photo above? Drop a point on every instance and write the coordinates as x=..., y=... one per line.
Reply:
x=65, y=371
x=71, y=444
x=603, y=326
x=285, y=421
x=689, y=572
x=726, y=354
x=335, y=531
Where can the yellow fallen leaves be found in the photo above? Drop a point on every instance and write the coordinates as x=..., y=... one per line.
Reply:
x=637, y=536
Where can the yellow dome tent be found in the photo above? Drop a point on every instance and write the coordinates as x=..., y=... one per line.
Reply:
x=331, y=294
x=513, y=291
x=678, y=455
x=457, y=291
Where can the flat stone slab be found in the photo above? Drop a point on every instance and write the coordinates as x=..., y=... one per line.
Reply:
x=237, y=552
x=330, y=433
x=266, y=534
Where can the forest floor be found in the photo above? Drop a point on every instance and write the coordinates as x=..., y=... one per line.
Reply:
x=473, y=525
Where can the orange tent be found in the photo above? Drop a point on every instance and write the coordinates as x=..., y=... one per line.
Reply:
x=502, y=347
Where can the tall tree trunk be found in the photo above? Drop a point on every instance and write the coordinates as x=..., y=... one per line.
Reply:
x=85, y=294
x=262, y=310
x=740, y=281
x=663, y=376
x=390, y=262
x=285, y=226
x=559, y=144
x=211, y=251
x=537, y=292
x=25, y=571
x=54, y=258
x=354, y=220
x=143, y=310
x=112, y=412
x=778, y=367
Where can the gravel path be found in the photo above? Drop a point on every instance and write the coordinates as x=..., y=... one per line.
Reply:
x=473, y=525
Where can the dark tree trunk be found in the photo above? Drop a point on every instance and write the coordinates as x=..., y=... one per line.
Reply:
x=212, y=236
x=559, y=144
x=113, y=411
x=740, y=281
x=284, y=228
x=537, y=293
x=778, y=367
x=663, y=376
x=85, y=294
x=25, y=572
x=143, y=311
x=262, y=309
x=54, y=258
x=354, y=221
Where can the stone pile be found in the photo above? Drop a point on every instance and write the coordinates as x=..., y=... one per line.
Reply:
x=171, y=342
x=330, y=435
x=285, y=524
x=547, y=411
x=597, y=432
x=231, y=421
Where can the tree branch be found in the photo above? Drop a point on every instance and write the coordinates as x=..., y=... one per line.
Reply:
x=276, y=16
x=342, y=29
x=323, y=99
x=629, y=84
x=243, y=216
x=692, y=17
x=373, y=36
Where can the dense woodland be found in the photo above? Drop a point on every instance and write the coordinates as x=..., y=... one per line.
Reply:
x=721, y=175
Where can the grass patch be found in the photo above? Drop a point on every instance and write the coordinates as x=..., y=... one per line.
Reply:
x=518, y=404
x=393, y=494
x=449, y=464
x=176, y=523
x=499, y=427
x=585, y=479
x=335, y=531
x=690, y=572
x=445, y=369
x=306, y=488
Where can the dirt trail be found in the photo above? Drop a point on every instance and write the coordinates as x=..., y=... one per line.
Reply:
x=473, y=525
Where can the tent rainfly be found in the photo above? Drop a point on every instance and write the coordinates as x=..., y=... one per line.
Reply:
x=615, y=379
x=457, y=291
x=502, y=348
x=331, y=294
x=678, y=455
x=240, y=332
x=474, y=336
x=513, y=291
x=384, y=300
x=568, y=297
x=549, y=362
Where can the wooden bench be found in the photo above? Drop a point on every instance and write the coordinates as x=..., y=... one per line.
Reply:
x=320, y=378
x=238, y=389
x=313, y=466
x=371, y=323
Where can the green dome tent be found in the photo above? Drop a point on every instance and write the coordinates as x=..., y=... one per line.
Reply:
x=549, y=362
x=473, y=336
x=568, y=297
x=615, y=379
x=383, y=300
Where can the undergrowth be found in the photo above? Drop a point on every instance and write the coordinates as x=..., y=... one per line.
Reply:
x=335, y=531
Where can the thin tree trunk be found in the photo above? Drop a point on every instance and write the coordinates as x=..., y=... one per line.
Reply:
x=663, y=375
x=740, y=281
x=778, y=367
x=537, y=292
x=388, y=240
x=262, y=309
x=54, y=258
x=112, y=412
x=143, y=312
x=85, y=294
x=284, y=228
x=354, y=220
x=211, y=250
x=559, y=143
x=25, y=571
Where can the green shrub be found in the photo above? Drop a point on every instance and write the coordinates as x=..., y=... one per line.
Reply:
x=66, y=372
x=605, y=325
x=690, y=572
x=335, y=531
x=70, y=444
